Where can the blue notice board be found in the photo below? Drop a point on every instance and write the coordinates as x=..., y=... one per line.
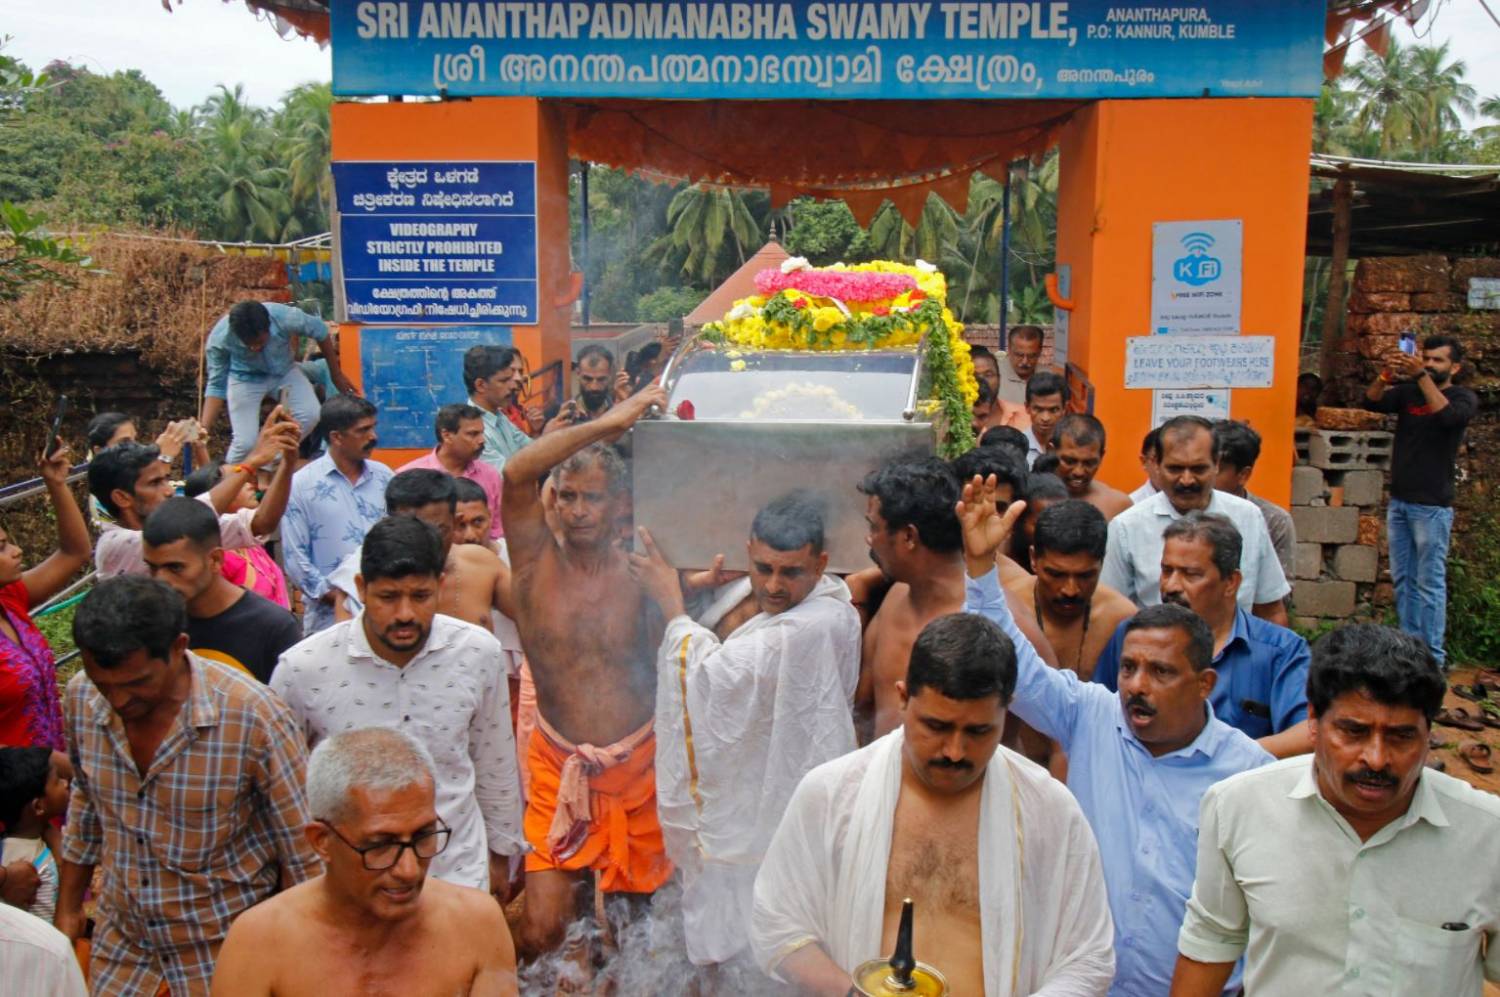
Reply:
x=438, y=242
x=410, y=373
x=838, y=50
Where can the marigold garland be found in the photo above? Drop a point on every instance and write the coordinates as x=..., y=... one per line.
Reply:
x=795, y=318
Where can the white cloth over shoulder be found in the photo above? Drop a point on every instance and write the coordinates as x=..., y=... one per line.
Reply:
x=762, y=710
x=1045, y=922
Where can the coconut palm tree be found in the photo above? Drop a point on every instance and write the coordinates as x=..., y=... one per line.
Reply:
x=1411, y=98
x=249, y=188
x=1444, y=95
x=304, y=145
x=704, y=220
x=892, y=238
x=1389, y=102
x=304, y=137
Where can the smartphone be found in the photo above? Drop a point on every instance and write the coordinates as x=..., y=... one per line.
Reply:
x=58, y=413
x=1408, y=343
x=282, y=399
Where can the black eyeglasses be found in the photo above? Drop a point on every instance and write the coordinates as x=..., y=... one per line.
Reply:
x=380, y=857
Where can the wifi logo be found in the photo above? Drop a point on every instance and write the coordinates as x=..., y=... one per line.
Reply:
x=1197, y=267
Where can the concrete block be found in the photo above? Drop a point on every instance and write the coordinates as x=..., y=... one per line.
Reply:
x=1337, y=450
x=1327, y=599
x=1300, y=437
x=1307, y=561
x=1308, y=486
x=1325, y=524
x=1354, y=563
x=1369, y=531
x=1363, y=488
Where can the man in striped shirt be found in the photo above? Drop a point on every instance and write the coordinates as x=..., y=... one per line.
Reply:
x=187, y=788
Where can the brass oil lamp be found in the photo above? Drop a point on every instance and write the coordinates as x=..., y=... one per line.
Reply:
x=901, y=975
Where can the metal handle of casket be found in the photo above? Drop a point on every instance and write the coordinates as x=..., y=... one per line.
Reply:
x=666, y=372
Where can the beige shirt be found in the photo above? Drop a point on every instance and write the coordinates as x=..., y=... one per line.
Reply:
x=1284, y=879
x=1012, y=385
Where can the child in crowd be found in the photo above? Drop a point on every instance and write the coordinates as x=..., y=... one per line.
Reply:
x=250, y=567
x=33, y=794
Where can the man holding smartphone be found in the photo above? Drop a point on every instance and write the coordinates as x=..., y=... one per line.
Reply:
x=250, y=356
x=1431, y=416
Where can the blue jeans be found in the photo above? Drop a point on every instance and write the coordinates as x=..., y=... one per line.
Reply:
x=244, y=401
x=1418, y=536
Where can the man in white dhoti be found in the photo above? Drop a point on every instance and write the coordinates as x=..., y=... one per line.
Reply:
x=739, y=723
x=996, y=855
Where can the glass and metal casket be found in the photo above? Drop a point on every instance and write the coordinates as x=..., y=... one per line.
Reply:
x=743, y=427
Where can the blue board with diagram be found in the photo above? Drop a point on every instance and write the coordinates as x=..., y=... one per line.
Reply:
x=411, y=372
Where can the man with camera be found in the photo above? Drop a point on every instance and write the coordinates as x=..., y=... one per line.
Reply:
x=1431, y=416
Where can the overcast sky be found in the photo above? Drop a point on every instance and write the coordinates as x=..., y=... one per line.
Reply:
x=206, y=42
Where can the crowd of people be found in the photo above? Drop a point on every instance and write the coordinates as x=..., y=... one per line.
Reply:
x=1070, y=724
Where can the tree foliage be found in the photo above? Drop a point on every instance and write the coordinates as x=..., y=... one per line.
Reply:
x=92, y=149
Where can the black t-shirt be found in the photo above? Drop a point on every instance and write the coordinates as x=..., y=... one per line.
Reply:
x=1426, y=442
x=250, y=635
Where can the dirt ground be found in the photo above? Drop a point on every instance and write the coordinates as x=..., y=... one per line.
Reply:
x=1453, y=738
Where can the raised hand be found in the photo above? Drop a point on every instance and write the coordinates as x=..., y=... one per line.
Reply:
x=985, y=528
x=657, y=578
x=54, y=469
x=622, y=386
x=626, y=413
x=279, y=434
x=172, y=439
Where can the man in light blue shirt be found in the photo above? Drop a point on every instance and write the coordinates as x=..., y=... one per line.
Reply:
x=249, y=356
x=492, y=376
x=334, y=502
x=1138, y=763
x=1262, y=668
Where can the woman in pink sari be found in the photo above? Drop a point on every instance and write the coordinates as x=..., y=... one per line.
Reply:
x=252, y=568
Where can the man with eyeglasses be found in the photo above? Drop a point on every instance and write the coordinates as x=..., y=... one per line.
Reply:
x=373, y=918
x=401, y=664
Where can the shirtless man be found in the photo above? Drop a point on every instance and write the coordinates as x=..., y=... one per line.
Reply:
x=590, y=639
x=373, y=922
x=471, y=517
x=475, y=580
x=1077, y=614
x=1079, y=444
x=1004, y=874
x=914, y=540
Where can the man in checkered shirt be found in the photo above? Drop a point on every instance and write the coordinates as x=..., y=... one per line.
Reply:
x=187, y=789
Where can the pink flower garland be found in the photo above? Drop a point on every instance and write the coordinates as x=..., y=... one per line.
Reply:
x=843, y=285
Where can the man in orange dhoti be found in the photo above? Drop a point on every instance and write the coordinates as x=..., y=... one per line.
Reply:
x=590, y=638
x=595, y=808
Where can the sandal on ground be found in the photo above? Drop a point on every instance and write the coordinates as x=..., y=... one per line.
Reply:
x=1477, y=756
x=1436, y=764
x=1475, y=693
x=1489, y=719
x=1458, y=717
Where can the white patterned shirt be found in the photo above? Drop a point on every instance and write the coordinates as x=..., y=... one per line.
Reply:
x=452, y=697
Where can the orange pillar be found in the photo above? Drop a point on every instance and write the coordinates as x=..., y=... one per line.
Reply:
x=1125, y=164
x=494, y=128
